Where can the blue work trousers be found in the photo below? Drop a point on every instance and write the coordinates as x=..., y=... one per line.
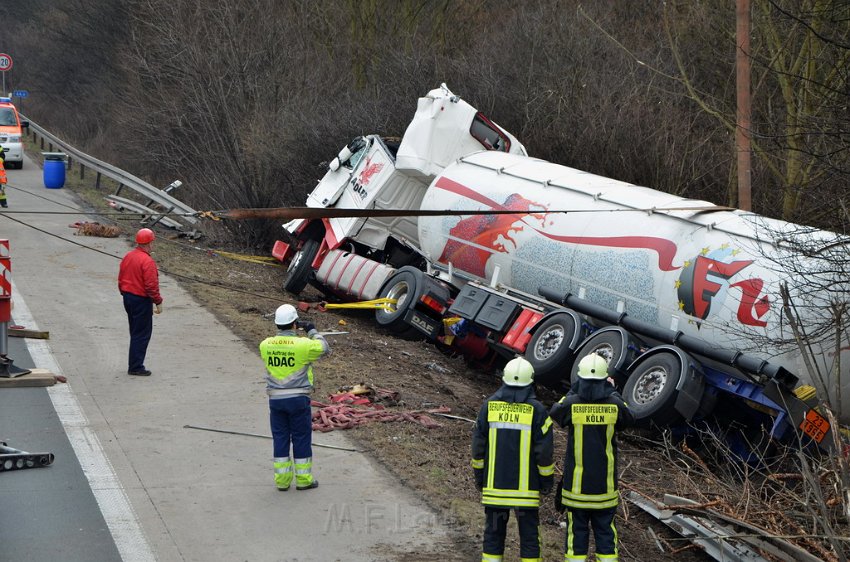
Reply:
x=140, y=316
x=496, y=528
x=579, y=524
x=292, y=422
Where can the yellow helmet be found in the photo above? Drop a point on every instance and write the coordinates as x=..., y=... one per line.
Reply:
x=593, y=367
x=518, y=372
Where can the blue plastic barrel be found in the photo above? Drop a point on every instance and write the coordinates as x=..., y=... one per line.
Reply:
x=54, y=174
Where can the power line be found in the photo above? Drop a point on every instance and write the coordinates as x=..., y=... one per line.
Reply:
x=336, y=212
x=163, y=270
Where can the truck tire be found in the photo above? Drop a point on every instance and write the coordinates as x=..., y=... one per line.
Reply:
x=301, y=267
x=549, y=348
x=651, y=392
x=606, y=344
x=405, y=286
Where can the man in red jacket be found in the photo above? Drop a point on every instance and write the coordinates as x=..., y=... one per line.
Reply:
x=138, y=281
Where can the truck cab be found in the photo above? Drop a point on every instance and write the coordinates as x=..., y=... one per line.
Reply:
x=384, y=173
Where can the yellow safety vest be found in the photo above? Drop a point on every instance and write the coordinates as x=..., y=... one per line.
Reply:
x=288, y=359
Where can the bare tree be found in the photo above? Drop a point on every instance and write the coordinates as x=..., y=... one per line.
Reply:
x=799, y=54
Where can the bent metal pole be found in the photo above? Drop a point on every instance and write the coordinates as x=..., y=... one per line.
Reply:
x=263, y=437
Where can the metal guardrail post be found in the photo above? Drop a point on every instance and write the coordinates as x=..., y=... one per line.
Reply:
x=123, y=178
x=160, y=217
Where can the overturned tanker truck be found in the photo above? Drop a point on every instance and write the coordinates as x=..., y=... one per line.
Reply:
x=495, y=254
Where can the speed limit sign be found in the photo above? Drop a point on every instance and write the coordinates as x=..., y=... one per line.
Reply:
x=5, y=62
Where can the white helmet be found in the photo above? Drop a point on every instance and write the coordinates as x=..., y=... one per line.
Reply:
x=285, y=315
x=518, y=372
x=593, y=367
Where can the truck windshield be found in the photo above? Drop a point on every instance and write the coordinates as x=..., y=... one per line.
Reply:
x=488, y=134
x=7, y=117
x=355, y=158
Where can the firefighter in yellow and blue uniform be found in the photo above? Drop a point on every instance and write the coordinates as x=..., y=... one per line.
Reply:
x=288, y=358
x=592, y=410
x=512, y=450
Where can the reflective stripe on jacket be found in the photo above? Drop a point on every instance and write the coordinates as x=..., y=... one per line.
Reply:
x=590, y=467
x=288, y=359
x=512, y=444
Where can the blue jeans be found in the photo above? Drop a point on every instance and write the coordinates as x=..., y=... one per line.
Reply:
x=140, y=316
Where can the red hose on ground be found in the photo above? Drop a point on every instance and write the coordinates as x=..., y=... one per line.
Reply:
x=328, y=417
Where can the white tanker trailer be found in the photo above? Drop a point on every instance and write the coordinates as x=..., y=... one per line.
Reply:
x=494, y=253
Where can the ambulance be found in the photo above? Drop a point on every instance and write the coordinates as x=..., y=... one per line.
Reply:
x=11, y=134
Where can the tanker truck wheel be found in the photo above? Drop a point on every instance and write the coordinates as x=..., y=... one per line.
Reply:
x=405, y=286
x=651, y=392
x=301, y=267
x=615, y=345
x=549, y=348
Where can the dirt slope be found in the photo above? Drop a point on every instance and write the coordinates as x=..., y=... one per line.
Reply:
x=433, y=462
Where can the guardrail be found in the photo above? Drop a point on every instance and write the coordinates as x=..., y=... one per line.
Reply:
x=166, y=202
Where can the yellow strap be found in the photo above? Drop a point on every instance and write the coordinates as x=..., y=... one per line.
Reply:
x=207, y=215
x=263, y=260
x=385, y=304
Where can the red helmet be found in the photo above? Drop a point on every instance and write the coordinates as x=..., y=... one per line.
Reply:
x=145, y=236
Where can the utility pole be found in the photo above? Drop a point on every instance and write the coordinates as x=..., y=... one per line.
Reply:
x=742, y=129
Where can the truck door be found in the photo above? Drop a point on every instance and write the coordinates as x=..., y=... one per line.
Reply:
x=371, y=172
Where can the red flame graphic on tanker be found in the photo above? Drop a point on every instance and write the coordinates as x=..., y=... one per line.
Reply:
x=697, y=285
x=485, y=230
x=369, y=171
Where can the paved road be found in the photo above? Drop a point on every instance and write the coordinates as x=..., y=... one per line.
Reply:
x=166, y=492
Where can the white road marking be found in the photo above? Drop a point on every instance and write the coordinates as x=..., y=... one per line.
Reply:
x=110, y=495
